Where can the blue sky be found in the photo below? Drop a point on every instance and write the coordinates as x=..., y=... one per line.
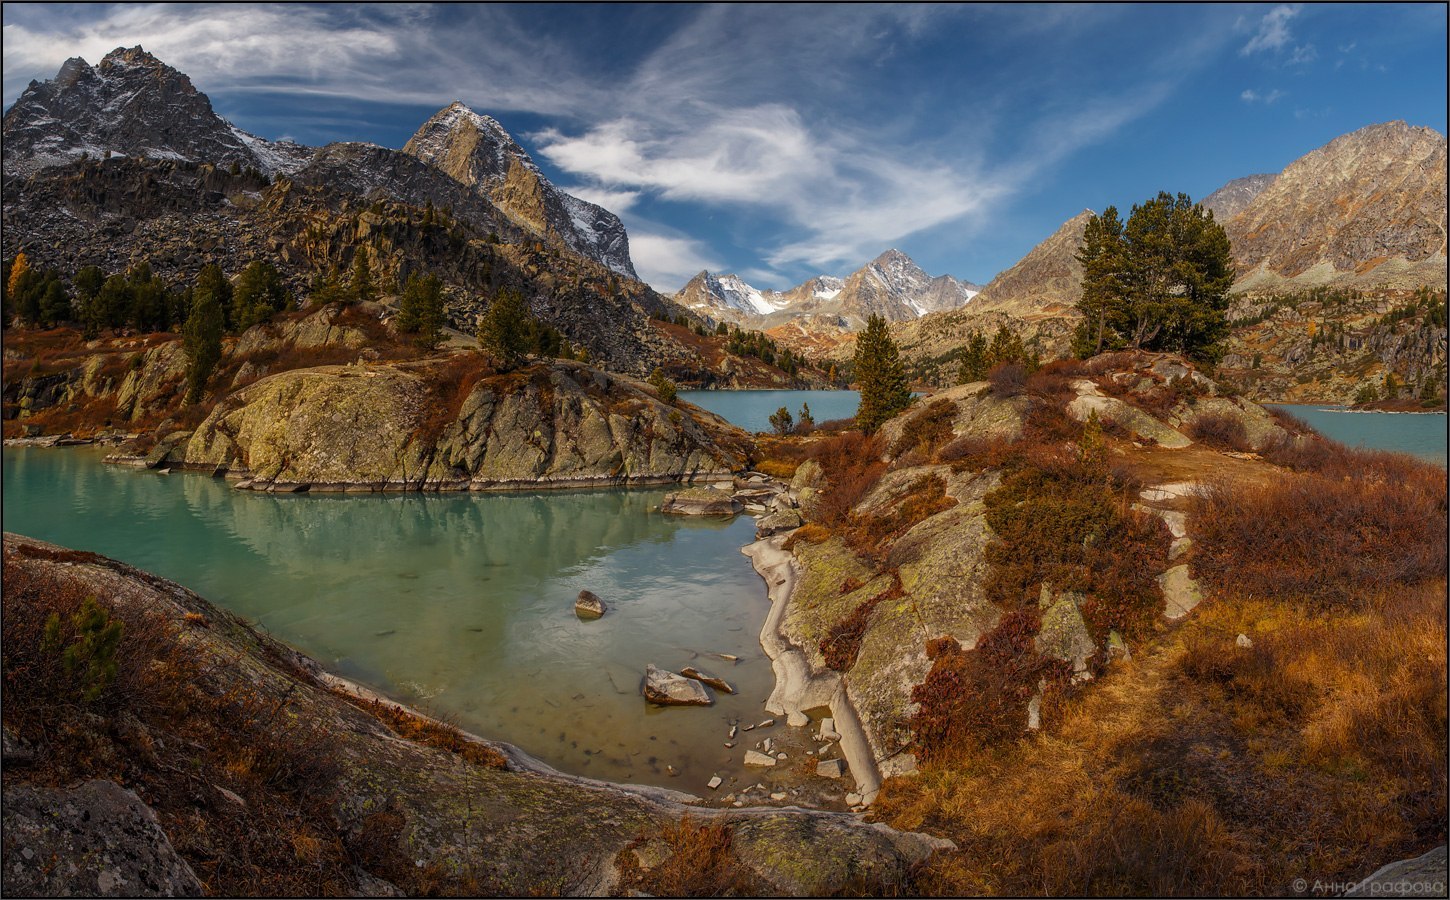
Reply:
x=784, y=141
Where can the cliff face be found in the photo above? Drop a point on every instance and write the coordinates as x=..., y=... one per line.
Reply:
x=436, y=425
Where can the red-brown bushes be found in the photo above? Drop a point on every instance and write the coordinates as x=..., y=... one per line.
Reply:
x=1220, y=431
x=852, y=465
x=1007, y=379
x=1323, y=538
x=926, y=430
x=976, y=698
x=1060, y=522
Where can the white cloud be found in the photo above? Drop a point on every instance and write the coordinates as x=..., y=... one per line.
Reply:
x=1273, y=31
x=614, y=201
x=1269, y=99
x=1302, y=55
x=666, y=262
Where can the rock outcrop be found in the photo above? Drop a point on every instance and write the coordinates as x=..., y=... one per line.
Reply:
x=670, y=689
x=557, y=424
x=95, y=839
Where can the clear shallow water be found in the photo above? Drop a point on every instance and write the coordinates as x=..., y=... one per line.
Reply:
x=1418, y=434
x=461, y=604
x=752, y=410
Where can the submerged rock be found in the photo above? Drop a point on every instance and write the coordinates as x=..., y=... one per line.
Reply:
x=589, y=606
x=669, y=689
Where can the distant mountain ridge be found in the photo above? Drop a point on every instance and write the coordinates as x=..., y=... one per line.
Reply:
x=134, y=105
x=892, y=286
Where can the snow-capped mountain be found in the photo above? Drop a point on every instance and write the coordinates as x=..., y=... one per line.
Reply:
x=476, y=150
x=132, y=104
x=892, y=286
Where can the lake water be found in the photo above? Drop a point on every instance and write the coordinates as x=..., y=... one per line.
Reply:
x=752, y=410
x=1418, y=434
x=460, y=604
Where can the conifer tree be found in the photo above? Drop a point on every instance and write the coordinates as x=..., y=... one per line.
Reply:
x=260, y=293
x=1158, y=282
x=974, y=364
x=210, y=280
x=201, y=336
x=362, y=287
x=503, y=330
x=420, y=310
x=881, y=376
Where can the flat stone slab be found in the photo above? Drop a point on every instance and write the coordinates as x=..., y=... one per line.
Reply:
x=831, y=768
x=755, y=758
x=1180, y=592
x=669, y=689
x=700, y=502
x=718, y=684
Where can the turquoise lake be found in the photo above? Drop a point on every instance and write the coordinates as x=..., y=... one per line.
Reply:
x=460, y=604
x=1418, y=434
x=752, y=410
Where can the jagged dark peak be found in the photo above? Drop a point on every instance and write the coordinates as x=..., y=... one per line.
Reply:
x=72, y=72
x=132, y=104
x=471, y=147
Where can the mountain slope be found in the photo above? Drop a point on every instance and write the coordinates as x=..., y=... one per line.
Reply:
x=132, y=104
x=1366, y=209
x=476, y=150
x=1048, y=280
x=1231, y=199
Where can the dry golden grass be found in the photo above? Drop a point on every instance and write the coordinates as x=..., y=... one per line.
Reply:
x=1205, y=768
x=699, y=864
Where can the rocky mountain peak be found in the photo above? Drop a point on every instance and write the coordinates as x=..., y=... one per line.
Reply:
x=1368, y=208
x=475, y=150
x=1231, y=199
x=132, y=104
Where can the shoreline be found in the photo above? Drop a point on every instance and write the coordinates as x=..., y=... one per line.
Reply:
x=797, y=690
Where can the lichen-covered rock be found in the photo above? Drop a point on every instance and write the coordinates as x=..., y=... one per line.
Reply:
x=1091, y=400
x=378, y=427
x=776, y=522
x=979, y=414
x=1064, y=634
x=1260, y=428
x=96, y=839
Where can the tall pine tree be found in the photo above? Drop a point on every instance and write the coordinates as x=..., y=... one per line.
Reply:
x=881, y=376
x=420, y=310
x=201, y=336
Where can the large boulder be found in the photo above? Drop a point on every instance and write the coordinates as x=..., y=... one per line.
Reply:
x=589, y=606
x=95, y=839
x=700, y=501
x=669, y=689
x=1064, y=634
